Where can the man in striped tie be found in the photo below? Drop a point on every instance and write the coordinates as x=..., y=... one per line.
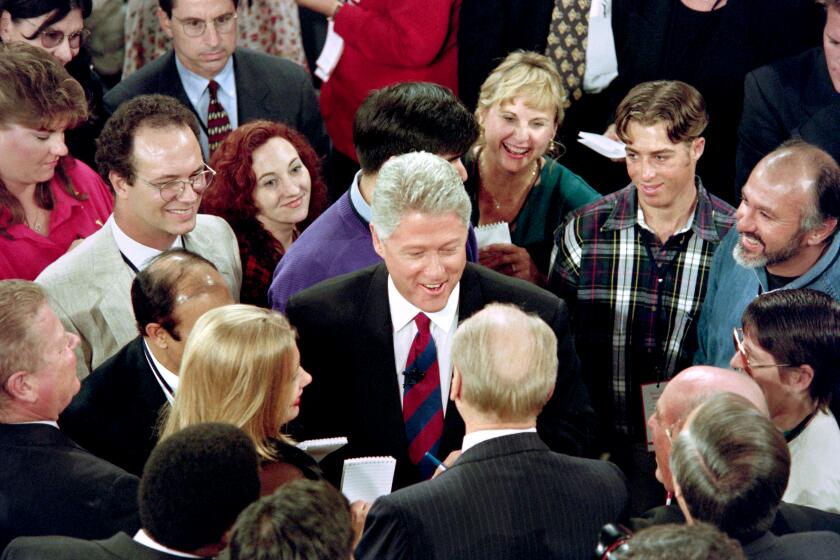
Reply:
x=377, y=342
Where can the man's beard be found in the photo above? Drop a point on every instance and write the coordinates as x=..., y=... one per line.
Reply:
x=750, y=260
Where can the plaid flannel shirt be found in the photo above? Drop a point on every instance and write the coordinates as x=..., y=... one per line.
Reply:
x=634, y=299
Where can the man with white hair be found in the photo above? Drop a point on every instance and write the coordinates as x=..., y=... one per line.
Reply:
x=377, y=341
x=504, y=371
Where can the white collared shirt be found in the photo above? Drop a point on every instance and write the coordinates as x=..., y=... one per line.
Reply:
x=137, y=253
x=195, y=87
x=640, y=217
x=443, y=324
x=480, y=436
x=170, y=378
x=52, y=423
x=143, y=538
x=359, y=204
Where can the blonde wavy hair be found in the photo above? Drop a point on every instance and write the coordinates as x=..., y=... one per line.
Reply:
x=238, y=368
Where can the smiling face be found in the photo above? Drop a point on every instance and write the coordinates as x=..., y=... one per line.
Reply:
x=425, y=256
x=12, y=31
x=283, y=184
x=208, y=53
x=831, y=45
x=158, y=155
x=516, y=134
x=29, y=156
x=662, y=171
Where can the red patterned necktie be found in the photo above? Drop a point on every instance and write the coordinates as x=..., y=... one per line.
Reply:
x=218, y=123
x=422, y=406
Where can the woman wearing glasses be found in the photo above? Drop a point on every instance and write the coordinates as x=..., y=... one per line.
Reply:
x=57, y=27
x=48, y=200
x=789, y=345
x=268, y=187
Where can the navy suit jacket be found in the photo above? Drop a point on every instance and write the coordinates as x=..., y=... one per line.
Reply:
x=267, y=87
x=508, y=497
x=51, y=486
x=120, y=546
x=115, y=414
x=346, y=343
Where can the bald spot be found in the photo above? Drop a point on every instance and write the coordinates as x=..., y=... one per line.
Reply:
x=694, y=385
x=190, y=277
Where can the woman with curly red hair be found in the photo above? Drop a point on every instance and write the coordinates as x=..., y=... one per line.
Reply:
x=268, y=187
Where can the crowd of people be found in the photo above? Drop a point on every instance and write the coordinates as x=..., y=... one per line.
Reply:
x=210, y=255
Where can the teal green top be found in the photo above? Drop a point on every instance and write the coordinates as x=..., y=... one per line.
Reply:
x=558, y=192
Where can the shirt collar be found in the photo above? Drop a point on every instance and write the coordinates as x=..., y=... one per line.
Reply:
x=357, y=200
x=143, y=538
x=195, y=85
x=480, y=436
x=52, y=423
x=403, y=311
x=170, y=378
x=134, y=251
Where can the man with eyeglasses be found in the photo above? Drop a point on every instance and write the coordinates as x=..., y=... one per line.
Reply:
x=149, y=153
x=223, y=85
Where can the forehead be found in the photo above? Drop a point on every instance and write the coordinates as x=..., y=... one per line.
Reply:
x=782, y=190
x=525, y=106
x=171, y=150
x=422, y=230
x=47, y=328
x=202, y=9
x=276, y=149
x=649, y=137
x=832, y=22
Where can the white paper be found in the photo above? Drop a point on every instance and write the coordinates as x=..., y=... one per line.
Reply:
x=603, y=145
x=488, y=234
x=601, y=62
x=320, y=448
x=367, y=478
x=330, y=54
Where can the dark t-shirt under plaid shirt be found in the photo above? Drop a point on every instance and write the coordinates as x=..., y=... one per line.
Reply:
x=634, y=299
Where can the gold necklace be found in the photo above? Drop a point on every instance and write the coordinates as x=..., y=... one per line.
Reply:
x=533, y=181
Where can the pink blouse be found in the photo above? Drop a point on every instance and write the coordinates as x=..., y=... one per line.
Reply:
x=28, y=252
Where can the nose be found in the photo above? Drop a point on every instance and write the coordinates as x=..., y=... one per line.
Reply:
x=736, y=362
x=188, y=195
x=651, y=421
x=211, y=36
x=434, y=266
x=306, y=379
x=459, y=167
x=74, y=340
x=743, y=217
x=63, y=52
x=647, y=170
x=58, y=147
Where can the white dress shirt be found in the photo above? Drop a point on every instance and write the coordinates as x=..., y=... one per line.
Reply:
x=166, y=376
x=480, y=436
x=137, y=253
x=143, y=538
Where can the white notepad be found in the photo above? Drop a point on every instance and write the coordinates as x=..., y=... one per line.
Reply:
x=320, y=448
x=605, y=146
x=488, y=234
x=367, y=478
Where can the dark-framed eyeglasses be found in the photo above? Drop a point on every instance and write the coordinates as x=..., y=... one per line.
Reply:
x=51, y=38
x=170, y=190
x=740, y=347
x=194, y=27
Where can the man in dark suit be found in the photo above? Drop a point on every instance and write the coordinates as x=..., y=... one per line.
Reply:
x=357, y=331
x=48, y=484
x=795, y=97
x=194, y=485
x=250, y=85
x=507, y=495
x=116, y=412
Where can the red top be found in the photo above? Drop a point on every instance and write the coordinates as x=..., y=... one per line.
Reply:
x=387, y=42
x=28, y=252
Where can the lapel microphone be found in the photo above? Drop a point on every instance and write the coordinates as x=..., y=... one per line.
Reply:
x=413, y=376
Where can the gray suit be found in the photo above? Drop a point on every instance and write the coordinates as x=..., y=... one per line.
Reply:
x=267, y=87
x=90, y=287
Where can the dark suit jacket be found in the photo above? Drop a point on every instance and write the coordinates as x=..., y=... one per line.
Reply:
x=790, y=518
x=267, y=87
x=793, y=97
x=346, y=343
x=51, y=486
x=508, y=497
x=115, y=413
x=813, y=546
x=64, y=548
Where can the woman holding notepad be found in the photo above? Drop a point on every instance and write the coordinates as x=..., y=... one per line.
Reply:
x=512, y=178
x=241, y=366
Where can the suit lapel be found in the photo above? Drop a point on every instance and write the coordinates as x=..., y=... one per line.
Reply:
x=251, y=90
x=107, y=263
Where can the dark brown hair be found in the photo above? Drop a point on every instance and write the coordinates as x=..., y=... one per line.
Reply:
x=676, y=104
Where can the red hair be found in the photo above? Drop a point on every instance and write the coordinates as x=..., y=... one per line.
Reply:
x=231, y=196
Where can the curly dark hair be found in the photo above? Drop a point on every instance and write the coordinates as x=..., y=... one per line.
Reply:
x=232, y=194
x=115, y=145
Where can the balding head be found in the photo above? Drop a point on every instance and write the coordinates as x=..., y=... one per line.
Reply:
x=506, y=365
x=686, y=391
x=170, y=295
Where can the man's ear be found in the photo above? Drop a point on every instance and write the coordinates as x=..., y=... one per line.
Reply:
x=158, y=335
x=455, y=385
x=19, y=386
x=119, y=184
x=698, y=146
x=5, y=26
x=799, y=378
x=820, y=233
x=377, y=243
x=165, y=22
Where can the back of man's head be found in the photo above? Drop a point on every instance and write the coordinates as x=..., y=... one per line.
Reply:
x=20, y=301
x=170, y=279
x=677, y=105
x=695, y=385
x=303, y=519
x=507, y=362
x=194, y=485
x=698, y=541
x=417, y=182
x=731, y=466
x=411, y=117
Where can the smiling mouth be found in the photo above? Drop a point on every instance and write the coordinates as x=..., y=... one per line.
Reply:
x=513, y=150
x=433, y=287
x=294, y=203
x=751, y=242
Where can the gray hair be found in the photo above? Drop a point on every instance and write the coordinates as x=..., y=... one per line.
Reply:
x=507, y=360
x=417, y=182
x=20, y=302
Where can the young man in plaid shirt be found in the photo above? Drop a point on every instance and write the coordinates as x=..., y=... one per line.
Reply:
x=633, y=267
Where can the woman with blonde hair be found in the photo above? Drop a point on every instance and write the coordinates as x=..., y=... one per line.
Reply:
x=241, y=366
x=511, y=176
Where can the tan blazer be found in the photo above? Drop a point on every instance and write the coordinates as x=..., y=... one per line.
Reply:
x=90, y=287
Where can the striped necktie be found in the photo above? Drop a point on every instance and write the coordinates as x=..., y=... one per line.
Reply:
x=218, y=123
x=422, y=406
